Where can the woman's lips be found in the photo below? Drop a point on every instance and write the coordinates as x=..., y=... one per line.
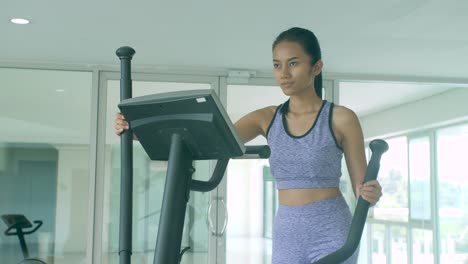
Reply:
x=286, y=84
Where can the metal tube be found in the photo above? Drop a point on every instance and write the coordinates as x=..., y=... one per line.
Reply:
x=215, y=179
x=176, y=196
x=24, y=248
x=126, y=153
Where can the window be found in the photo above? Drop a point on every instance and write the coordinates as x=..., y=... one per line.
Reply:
x=44, y=161
x=393, y=177
x=452, y=170
x=420, y=178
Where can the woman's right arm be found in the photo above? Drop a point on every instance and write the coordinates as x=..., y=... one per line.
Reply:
x=254, y=123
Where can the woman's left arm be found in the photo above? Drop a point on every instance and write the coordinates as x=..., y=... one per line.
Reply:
x=350, y=137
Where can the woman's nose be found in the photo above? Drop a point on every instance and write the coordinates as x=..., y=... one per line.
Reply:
x=285, y=72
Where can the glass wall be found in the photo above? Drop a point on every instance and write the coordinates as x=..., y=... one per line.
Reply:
x=393, y=177
x=420, y=200
x=421, y=217
x=379, y=250
x=399, y=244
x=452, y=171
x=148, y=187
x=44, y=162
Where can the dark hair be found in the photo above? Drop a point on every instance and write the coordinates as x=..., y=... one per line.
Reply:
x=309, y=43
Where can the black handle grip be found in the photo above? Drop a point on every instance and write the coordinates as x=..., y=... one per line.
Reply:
x=378, y=147
x=256, y=152
x=263, y=152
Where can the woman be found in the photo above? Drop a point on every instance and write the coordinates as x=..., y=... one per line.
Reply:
x=308, y=137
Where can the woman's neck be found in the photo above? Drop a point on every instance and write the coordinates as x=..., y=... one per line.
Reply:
x=305, y=103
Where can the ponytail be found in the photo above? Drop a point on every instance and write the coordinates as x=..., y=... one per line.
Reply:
x=318, y=84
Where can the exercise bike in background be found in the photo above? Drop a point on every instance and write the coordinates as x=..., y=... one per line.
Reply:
x=20, y=223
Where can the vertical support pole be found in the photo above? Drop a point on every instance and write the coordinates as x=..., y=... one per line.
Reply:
x=176, y=195
x=126, y=183
x=24, y=248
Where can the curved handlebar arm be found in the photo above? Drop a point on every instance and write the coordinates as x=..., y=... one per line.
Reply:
x=9, y=233
x=251, y=152
x=38, y=224
x=218, y=173
x=378, y=147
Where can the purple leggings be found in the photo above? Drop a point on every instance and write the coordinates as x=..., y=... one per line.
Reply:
x=304, y=234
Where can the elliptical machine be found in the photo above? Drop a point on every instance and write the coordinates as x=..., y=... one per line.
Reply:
x=19, y=223
x=180, y=127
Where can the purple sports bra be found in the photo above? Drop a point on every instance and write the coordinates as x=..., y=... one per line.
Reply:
x=312, y=160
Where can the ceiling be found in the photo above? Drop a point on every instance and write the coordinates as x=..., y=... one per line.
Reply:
x=411, y=40
x=394, y=37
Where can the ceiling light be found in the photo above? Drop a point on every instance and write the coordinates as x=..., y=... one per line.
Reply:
x=20, y=21
x=60, y=90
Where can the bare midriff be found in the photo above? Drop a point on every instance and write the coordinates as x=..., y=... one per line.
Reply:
x=296, y=197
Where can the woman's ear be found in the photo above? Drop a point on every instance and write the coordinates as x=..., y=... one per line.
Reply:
x=317, y=68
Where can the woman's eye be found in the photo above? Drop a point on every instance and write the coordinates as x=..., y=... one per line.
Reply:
x=293, y=63
x=276, y=66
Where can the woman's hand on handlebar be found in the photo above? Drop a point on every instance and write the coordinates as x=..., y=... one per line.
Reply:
x=370, y=191
x=120, y=124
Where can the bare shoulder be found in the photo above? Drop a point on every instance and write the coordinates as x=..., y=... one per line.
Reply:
x=342, y=114
x=344, y=121
x=265, y=115
x=268, y=111
x=255, y=123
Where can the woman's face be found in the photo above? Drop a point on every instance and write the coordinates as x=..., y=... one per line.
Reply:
x=292, y=68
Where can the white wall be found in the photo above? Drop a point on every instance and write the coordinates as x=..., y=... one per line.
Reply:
x=72, y=199
x=441, y=109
